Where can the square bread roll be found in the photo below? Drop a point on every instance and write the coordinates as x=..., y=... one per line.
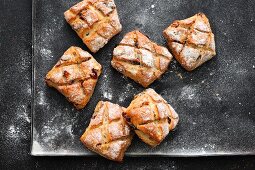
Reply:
x=108, y=134
x=191, y=41
x=140, y=59
x=151, y=117
x=75, y=76
x=95, y=22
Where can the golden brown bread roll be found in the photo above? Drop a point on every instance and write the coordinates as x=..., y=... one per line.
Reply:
x=191, y=41
x=108, y=134
x=75, y=76
x=140, y=59
x=151, y=116
x=95, y=22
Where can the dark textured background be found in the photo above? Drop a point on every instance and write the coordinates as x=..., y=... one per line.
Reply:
x=212, y=101
x=15, y=47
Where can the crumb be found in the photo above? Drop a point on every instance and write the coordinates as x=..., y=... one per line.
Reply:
x=179, y=75
x=152, y=6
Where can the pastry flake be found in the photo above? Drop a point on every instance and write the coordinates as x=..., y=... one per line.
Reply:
x=75, y=76
x=95, y=22
x=151, y=116
x=108, y=134
x=140, y=59
x=191, y=41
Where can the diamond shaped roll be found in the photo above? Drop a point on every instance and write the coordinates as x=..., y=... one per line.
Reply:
x=191, y=41
x=140, y=59
x=75, y=76
x=95, y=22
x=151, y=117
x=108, y=134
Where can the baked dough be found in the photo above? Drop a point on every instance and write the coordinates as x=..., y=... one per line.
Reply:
x=75, y=76
x=95, y=22
x=151, y=116
x=108, y=134
x=191, y=41
x=140, y=59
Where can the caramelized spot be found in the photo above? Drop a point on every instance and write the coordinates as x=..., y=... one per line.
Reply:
x=136, y=44
x=145, y=103
x=199, y=57
x=98, y=144
x=169, y=120
x=66, y=74
x=126, y=117
x=175, y=24
x=94, y=74
x=81, y=16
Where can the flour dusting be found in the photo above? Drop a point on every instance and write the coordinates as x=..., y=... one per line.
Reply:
x=46, y=53
x=189, y=95
x=41, y=98
x=22, y=113
x=13, y=132
x=107, y=95
x=106, y=89
x=58, y=128
x=126, y=92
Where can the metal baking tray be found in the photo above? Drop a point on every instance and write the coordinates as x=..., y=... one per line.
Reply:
x=216, y=102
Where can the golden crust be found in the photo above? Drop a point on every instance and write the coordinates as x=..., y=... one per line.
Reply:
x=140, y=59
x=151, y=116
x=95, y=22
x=75, y=76
x=191, y=41
x=108, y=134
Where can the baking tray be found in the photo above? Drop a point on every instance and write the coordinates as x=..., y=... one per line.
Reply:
x=216, y=102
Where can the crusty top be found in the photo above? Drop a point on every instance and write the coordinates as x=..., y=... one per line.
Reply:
x=95, y=21
x=191, y=41
x=152, y=115
x=75, y=76
x=139, y=58
x=108, y=134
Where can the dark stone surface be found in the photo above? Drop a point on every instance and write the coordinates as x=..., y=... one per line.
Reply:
x=211, y=101
x=15, y=99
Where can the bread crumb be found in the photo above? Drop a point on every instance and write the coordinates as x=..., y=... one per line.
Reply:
x=179, y=75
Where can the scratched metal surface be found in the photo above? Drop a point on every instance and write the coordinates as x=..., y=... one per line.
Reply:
x=216, y=102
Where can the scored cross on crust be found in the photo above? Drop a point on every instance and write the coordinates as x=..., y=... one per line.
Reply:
x=151, y=116
x=140, y=59
x=191, y=41
x=95, y=21
x=75, y=76
x=108, y=134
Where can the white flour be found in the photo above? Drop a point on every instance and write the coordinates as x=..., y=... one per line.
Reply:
x=105, y=88
x=41, y=98
x=13, y=132
x=189, y=95
x=46, y=53
x=57, y=129
x=22, y=113
x=127, y=91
